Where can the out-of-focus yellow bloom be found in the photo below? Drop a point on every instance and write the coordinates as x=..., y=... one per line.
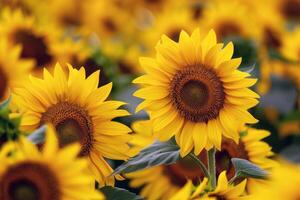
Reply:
x=13, y=69
x=269, y=25
x=289, y=128
x=224, y=190
x=36, y=40
x=51, y=174
x=283, y=184
x=289, y=9
x=169, y=23
x=227, y=18
x=106, y=19
x=76, y=107
x=194, y=90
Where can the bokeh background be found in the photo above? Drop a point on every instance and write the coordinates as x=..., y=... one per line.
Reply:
x=111, y=35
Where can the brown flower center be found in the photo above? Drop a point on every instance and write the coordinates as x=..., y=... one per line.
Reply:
x=271, y=38
x=174, y=34
x=182, y=171
x=291, y=9
x=109, y=25
x=226, y=29
x=72, y=124
x=30, y=181
x=229, y=150
x=3, y=84
x=197, y=93
x=33, y=47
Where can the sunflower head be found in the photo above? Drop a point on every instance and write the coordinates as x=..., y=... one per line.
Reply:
x=76, y=107
x=35, y=38
x=219, y=16
x=31, y=174
x=194, y=90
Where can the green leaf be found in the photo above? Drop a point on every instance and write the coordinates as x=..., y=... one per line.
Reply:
x=5, y=103
x=159, y=153
x=292, y=116
x=244, y=169
x=38, y=136
x=114, y=193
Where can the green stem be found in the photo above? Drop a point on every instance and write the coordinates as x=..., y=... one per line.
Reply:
x=199, y=163
x=211, y=160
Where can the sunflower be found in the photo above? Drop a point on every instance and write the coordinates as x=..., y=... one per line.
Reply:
x=283, y=184
x=169, y=23
x=175, y=176
x=289, y=9
x=160, y=182
x=34, y=38
x=12, y=68
x=224, y=190
x=105, y=24
x=193, y=90
x=52, y=174
x=270, y=26
x=79, y=112
x=219, y=16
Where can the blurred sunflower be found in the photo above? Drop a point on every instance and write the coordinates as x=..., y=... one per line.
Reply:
x=76, y=107
x=193, y=90
x=52, y=174
x=283, y=184
x=12, y=68
x=105, y=24
x=289, y=9
x=224, y=190
x=35, y=40
x=219, y=16
x=169, y=23
x=270, y=26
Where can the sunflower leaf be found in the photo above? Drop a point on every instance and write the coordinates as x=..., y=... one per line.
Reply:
x=159, y=153
x=244, y=169
x=38, y=136
x=114, y=193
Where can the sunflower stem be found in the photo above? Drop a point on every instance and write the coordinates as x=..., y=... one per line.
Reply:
x=199, y=163
x=211, y=160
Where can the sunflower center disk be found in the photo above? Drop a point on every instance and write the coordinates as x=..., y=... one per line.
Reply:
x=291, y=9
x=3, y=84
x=197, y=93
x=33, y=47
x=226, y=29
x=72, y=124
x=229, y=150
x=30, y=181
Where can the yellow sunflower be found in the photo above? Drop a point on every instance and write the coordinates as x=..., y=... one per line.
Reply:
x=283, y=184
x=175, y=176
x=269, y=24
x=224, y=190
x=169, y=23
x=289, y=9
x=52, y=174
x=12, y=68
x=228, y=18
x=34, y=38
x=194, y=90
x=76, y=107
x=105, y=24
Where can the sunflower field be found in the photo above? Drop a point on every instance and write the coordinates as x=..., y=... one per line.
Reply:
x=149, y=99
